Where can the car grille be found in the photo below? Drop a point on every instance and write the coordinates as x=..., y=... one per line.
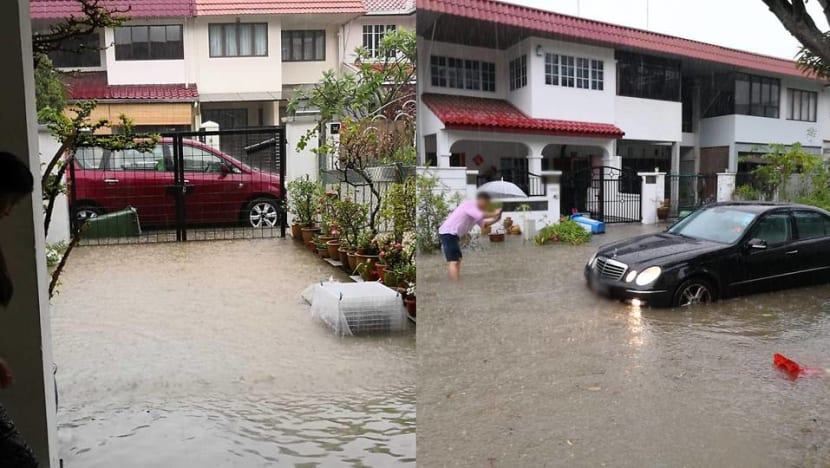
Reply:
x=610, y=269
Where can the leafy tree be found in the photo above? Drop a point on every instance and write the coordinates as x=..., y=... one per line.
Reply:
x=376, y=107
x=814, y=54
x=50, y=91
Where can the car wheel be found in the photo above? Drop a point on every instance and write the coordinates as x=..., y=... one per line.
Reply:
x=84, y=213
x=263, y=213
x=694, y=291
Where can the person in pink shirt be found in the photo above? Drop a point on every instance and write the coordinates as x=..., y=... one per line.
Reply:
x=469, y=213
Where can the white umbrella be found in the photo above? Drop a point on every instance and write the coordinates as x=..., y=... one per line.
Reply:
x=502, y=189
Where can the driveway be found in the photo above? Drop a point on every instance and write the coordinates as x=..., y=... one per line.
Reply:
x=521, y=365
x=203, y=354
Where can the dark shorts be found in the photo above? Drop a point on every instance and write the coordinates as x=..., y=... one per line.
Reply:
x=451, y=245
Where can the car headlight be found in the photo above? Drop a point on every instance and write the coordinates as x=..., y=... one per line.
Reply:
x=648, y=276
x=630, y=276
x=591, y=260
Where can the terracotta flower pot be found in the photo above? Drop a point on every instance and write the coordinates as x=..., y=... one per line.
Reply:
x=380, y=269
x=344, y=257
x=310, y=246
x=352, y=262
x=497, y=237
x=410, y=305
x=326, y=238
x=296, y=232
x=323, y=253
x=308, y=233
x=370, y=260
x=333, y=246
x=662, y=212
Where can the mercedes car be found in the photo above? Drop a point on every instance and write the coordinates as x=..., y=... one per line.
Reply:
x=719, y=251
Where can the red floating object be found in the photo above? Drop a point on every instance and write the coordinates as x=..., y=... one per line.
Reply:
x=787, y=365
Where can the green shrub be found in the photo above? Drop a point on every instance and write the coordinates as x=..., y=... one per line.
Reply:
x=567, y=231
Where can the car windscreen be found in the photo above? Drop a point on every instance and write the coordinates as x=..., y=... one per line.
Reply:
x=718, y=224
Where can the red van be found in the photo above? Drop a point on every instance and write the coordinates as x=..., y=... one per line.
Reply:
x=220, y=188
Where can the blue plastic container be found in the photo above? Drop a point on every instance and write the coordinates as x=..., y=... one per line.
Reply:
x=596, y=227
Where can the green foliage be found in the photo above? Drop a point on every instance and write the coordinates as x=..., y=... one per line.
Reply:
x=50, y=91
x=397, y=208
x=433, y=207
x=302, y=200
x=747, y=192
x=352, y=218
x=566, y=231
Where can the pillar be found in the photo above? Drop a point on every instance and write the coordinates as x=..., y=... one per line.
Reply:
x=25, y=341
x=652, y=195
x=726, y=186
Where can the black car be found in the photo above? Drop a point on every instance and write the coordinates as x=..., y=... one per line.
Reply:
x=719, y=251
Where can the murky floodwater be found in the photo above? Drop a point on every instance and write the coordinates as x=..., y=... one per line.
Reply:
x=545, y=373
x=203, y=354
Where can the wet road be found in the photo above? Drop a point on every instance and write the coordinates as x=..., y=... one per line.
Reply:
x=544, y=373
x=203, y=354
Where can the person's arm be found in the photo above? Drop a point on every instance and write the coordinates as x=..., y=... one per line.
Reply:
x=490, y=221
x=493, y=214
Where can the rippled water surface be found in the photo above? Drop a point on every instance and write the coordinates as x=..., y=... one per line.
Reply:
x=545, y=373
x=203, y=354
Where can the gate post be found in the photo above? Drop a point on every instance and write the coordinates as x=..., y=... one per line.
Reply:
x=652, y=195
x=726, y=186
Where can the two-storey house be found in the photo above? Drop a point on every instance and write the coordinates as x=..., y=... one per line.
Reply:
x=179, y=63
x=509, y=91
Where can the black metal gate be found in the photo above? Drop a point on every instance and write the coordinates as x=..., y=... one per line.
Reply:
x=687, y=192
x=607, y=194
x=223, y=184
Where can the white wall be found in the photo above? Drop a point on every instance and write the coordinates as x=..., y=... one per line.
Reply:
x=236, y=74
x=558, y=102
x=145, y=71
x=59, y=230
x=428, y=48
x=648, y=119
x=294, y=73
x=353, y=31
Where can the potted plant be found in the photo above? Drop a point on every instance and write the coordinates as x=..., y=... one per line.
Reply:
x=321, y=247
x=301, y=204
x=367, y=250
x=409, y=300
x=343, y=252
x=366, y=271
x=664, y=209
x=333, y=246
x=497, y=234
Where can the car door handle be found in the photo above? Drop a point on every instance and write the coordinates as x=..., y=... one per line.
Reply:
x=791, y=252
x=111, y=181
x=186, y=181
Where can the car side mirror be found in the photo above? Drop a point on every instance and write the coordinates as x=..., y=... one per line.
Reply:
x=757, y=244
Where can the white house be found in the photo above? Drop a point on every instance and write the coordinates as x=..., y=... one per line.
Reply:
x=541, y=98
x=178, y=63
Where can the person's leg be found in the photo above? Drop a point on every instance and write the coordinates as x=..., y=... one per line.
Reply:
x=455, y=270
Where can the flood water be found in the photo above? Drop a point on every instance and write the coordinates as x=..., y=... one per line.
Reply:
x=545, y=373
x=203, y=354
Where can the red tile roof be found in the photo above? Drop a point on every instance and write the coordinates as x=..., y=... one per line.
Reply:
x=93, y=85
x=391, y=6
x=55, y=9
x=570, y=27
x=259, y=7
x=496, y=115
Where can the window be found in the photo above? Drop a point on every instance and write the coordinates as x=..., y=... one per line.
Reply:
x=773, y=228
x=149, y=43
x=802, y=105
x=200, y=160
x=597, y=74
x=811, y=224
x=648, y=77
x=134, y=160
x=756, y=95
x=373, y=34
x=579, y=72
x=518, y=72
x=78, y=52
x=450, y=72
x=303, y=46
x=89, y=157
x=239, y=40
